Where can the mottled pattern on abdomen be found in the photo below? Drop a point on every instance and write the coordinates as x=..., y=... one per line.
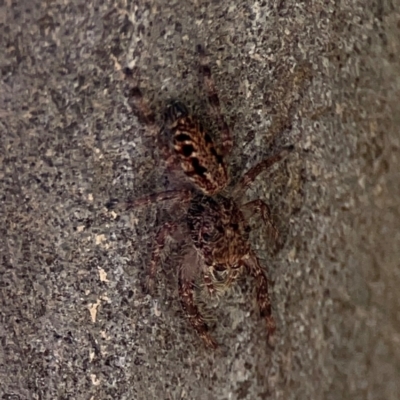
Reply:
x=198, y=156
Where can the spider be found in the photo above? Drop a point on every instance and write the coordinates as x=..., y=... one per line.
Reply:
x=215, y=221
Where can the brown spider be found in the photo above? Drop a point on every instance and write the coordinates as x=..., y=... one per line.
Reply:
x=215, y=223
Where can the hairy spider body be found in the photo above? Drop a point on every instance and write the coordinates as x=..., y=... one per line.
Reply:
x=219, y=231
x=195, y=150
x=215, y=225
x=220, y=234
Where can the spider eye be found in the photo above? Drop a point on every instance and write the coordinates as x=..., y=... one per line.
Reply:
x=207, y=237
x=209, y=233
x=220, y=268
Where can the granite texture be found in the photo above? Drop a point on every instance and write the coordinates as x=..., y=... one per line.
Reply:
x=74, y=320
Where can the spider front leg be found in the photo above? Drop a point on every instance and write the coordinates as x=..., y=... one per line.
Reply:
x=253, y=172
x=263, y=299
x=167, y=230
x=186, y=293
x=182, y=195
x=214, y=103
x=259, y=206
x=139, y=106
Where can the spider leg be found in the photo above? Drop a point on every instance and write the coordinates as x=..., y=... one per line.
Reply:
x=145, y=114
x=182, y=195
x=231, y=279
x=209, y=283
x=263, y=299
x=214, y=103
x=167, y=230
x=139, y=106
x=259, y=206
x=287, y=96
x=253, y=172
x=142, y=110
x=186, y=293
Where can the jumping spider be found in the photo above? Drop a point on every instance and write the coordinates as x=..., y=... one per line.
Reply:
x=215, y=222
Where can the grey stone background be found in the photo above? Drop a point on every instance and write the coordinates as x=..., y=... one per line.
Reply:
x=74, y=321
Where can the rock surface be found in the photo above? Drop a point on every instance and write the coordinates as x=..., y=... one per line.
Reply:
x=74, y=321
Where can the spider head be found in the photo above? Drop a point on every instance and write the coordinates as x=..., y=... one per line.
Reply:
x=224, y=267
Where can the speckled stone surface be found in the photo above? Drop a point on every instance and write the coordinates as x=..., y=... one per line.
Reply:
x=74, y=321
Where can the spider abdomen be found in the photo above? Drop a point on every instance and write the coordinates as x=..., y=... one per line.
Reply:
x=197, y=154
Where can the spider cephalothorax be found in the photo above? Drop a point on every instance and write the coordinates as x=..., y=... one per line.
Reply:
x=215, y=225
x=218, y=230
